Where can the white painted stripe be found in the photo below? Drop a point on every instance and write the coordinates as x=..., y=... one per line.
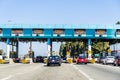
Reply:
x=54, y=34
x=20, y=34
x=6, y=78
x=88, y=77
x=42, y=35
x=1, y=34
x=117, y=35
x=83, y=35
x=96, y=35
x=76, y=35
x=13, y=34
x=104, y=35
x=62, y=35
x=33, y=34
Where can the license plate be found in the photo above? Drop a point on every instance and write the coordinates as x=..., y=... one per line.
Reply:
x=53, y=60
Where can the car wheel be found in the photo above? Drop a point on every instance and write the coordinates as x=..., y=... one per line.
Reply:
x=59, y=64
x=85, y=63
x=77, y=63
x=114, y=64
x=48, y=64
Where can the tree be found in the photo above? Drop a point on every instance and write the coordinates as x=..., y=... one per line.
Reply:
x=62, y=51
x=100, y=46
x=118, y=22
x=75, y=48
x=1, y=51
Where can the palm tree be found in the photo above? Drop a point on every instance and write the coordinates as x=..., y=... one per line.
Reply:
x=1, y=51
x=118, y=22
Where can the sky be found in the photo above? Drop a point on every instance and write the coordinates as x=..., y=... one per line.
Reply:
x=57, y=12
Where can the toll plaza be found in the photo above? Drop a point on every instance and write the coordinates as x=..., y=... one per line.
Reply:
x=12, y=34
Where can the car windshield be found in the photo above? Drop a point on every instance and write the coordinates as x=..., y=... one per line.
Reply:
x=110, y=56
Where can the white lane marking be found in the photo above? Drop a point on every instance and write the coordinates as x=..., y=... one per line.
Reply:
x=6, y=78
x=88, y=77
x=108, y=67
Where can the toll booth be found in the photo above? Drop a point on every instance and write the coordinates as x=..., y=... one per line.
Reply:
x=13, y=54
x=31, y=55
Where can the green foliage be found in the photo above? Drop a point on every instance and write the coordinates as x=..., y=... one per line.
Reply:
x=1, y=51
x=74, y=47
x=118, y=22
x=100, y=46
x=77, y=48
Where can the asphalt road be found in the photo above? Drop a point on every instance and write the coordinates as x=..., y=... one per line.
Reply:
x=99, y=71
x=39, y=71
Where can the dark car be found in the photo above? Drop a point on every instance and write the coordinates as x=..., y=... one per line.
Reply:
x=54, y=60
x=117, y=61
x=82, y=59
x=16, y=60
x=101, y=59
x=38, y=59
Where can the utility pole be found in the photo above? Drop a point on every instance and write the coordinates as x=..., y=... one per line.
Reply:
x=30, y=52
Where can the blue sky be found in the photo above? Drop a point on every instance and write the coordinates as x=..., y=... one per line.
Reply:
x=58, y=12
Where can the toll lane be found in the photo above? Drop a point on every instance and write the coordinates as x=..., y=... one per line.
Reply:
x=99, y=71
x=40, y=72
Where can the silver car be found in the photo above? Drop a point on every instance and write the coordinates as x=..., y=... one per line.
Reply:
x=109, y=60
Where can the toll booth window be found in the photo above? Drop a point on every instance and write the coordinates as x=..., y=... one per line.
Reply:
x=58, y=31
x=17, y=31
x=79, y=31
x=118, y=32
x=100, y=31
x=37, y=31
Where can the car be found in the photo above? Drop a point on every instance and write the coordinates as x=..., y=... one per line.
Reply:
x=101, y=59
x=38, y=59
x=4, y=59
x=82, y=59
x=64, y=60
x=109, y=60
x=117, y=61
x=54, y=60
x=7, y=61
x=16, y=60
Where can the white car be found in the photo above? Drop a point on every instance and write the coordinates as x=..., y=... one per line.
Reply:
x=7, y=61
x=109, y=60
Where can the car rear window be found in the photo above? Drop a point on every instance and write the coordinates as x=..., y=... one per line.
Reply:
x=110, y=57
x=82, y=57
x=53, y=57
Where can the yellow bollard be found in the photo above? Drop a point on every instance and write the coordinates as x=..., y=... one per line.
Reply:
x=2, y=61
x=69, y=60
x=45, y=60
x=92, y=61
x=24, y=61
